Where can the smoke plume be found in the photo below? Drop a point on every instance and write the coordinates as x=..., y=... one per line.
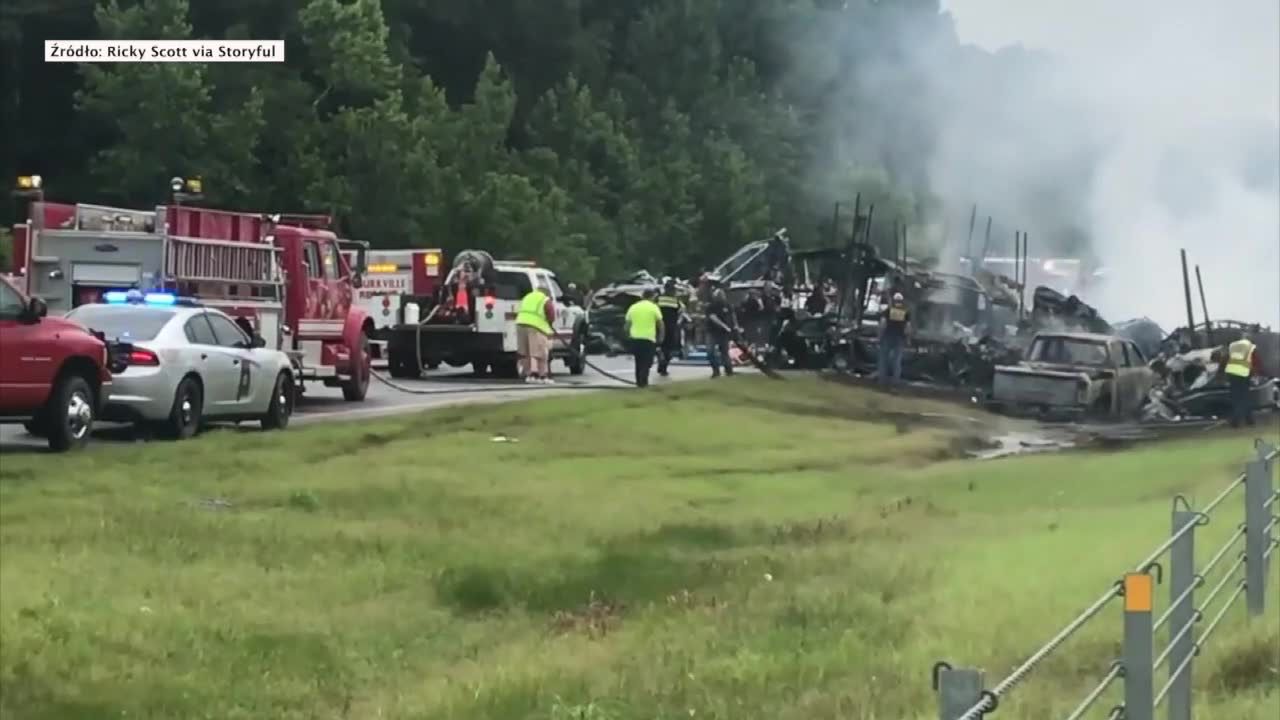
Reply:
x=1171, y=108
x=1116, y=131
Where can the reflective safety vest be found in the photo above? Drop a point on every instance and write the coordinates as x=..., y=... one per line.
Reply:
x=668, y=301
x=897, y=313
x=1240, y=358
x=533, y=312
x=644, y=317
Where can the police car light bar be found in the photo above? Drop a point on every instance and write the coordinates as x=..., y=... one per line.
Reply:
x=135, y=297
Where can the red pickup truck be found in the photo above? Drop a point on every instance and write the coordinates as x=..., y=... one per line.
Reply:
x=53, y=372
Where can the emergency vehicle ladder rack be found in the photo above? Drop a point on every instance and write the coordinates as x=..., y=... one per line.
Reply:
x=226, y=263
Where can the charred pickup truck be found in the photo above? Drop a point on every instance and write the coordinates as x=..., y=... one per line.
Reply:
x=1074, y=375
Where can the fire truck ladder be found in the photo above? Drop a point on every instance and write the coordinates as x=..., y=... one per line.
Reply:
x=225, y=268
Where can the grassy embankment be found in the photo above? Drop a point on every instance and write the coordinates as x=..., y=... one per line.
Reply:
x=693, y=553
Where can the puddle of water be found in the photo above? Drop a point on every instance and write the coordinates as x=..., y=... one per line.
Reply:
x=1019, y=442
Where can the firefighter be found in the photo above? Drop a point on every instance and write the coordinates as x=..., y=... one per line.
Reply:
x=718, y=334
x=1241, y=362
x=644, y=328
x=895, y=325
x=533, y=336
x=672, y=308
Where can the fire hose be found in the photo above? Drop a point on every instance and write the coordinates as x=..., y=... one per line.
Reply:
x=625, y=383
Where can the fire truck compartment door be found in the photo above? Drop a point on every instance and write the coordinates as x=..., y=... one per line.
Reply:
x=113, y=274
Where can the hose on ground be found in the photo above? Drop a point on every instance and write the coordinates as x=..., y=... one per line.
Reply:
x=625, y=383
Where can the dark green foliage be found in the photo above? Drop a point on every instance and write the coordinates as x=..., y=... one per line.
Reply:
x=593, y=135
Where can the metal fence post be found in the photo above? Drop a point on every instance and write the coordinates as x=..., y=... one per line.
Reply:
x=958, y=690
x=1139, y=690
x=1257, y=490
x=1182, y=581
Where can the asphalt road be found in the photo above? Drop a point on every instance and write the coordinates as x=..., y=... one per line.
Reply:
x=443, y=387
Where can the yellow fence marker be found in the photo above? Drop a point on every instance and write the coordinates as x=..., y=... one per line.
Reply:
x=1139, y=588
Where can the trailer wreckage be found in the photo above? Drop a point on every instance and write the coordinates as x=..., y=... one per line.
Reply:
x=820, y=309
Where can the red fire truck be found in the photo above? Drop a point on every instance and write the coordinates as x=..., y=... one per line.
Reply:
x=286, y=275
x=393, y=279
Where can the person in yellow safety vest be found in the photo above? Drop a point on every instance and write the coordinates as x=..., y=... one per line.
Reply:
x=671, y=306
x=644, y=327
x=533, y=336
x=895, y=328
x=1241, y=357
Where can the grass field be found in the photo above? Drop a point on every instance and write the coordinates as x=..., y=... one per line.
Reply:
x=741, y=550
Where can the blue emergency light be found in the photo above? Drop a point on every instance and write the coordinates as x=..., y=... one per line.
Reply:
x=134, y=297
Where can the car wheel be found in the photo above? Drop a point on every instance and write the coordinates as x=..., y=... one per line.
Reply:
x=357, y=387
x=188, y=410
x=281, y=407
x=70, y=414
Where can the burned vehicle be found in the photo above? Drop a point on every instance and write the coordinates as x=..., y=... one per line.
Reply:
x=1073, y=375
x=607, y=310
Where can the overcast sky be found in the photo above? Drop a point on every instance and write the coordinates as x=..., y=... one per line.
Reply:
x=1241, y=36
x=1189, y=94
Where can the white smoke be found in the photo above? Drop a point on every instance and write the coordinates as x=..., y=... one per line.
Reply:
x=1177, y=104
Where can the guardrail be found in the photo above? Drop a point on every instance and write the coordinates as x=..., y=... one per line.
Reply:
x=960, y=691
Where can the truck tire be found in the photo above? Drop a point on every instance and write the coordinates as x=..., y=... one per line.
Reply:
x=402, y=367
x=71, y=414
x=357, y=386
x=480, y=368
x=281, y=407
x=433, y=364
x=187, y=413
x=507, y=368
x=577, y=358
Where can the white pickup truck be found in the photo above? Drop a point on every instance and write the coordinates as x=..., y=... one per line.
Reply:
x=483, y=334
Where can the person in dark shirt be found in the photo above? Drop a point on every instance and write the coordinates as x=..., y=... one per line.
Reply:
x=816, y=303
x=895, y=326
x=719, y=333
x=672, y=309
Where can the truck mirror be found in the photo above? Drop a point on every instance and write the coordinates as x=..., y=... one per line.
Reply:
x=258, y=341
x=357, y=280
x=34, y=310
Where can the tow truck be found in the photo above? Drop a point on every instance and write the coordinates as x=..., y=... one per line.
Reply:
x=285, y=276
x=473, y=322
x=395, y=279
x=54, y=374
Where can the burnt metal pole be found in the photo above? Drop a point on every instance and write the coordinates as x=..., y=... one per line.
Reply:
x=1204, y=308
x=857, y=215
x=1022, y=286
x=1017, y=272
x=851, y=258
x=968, y=244
x=897, y=250
x=986, y=242
x=1186, y=289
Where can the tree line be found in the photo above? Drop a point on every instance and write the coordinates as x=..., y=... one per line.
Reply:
x=597, y=136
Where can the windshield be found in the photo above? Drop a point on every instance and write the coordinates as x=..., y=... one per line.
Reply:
x=129, y=323
x=1070, y=351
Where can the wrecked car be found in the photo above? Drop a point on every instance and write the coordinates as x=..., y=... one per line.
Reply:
x=1074, y=375
x=607, y=310
x=1192, y=385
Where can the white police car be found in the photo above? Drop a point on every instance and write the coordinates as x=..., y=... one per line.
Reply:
x=187, y=365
